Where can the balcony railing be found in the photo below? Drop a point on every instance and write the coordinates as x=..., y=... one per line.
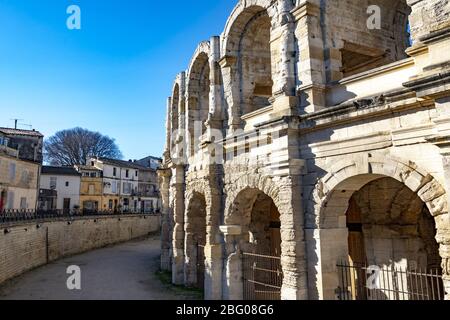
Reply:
x=150, y=194
x=14, y=216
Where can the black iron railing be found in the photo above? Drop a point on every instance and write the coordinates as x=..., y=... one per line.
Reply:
x=263, y=277
x=13, y=216
x=362, y=282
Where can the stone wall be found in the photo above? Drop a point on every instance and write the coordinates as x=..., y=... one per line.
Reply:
x=26, y=246
x=308, y=111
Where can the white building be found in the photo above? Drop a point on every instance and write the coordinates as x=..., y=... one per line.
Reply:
x=120, y=179
x=150, y=162
x=66, y=182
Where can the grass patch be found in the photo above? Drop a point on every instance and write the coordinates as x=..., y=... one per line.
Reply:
x=166, y=279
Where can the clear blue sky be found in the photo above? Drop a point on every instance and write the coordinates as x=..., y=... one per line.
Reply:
x=112, y=76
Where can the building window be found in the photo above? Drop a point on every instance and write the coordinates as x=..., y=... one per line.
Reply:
x=53, y=183
x=137, y=173
x=126, y=188
x=24, y=179
x=3, y=141
x=11, y=200
x=110, y=204
x=127, y=173
x=23, y=204
x=12, y=172
x=93, y=174
x=66, y=204
x=114, y=187
x=67, y=183
x=114, y=172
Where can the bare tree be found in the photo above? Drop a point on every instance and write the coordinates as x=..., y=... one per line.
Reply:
x=74, y=146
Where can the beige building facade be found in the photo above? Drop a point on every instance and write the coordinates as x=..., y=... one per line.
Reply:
x=313, y=132
x=18, y=181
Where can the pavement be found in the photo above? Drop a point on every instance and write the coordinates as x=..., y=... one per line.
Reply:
x=122, y=272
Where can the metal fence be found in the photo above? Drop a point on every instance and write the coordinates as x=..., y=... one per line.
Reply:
x=362, y=282
x=263, y=277
x=13, y=216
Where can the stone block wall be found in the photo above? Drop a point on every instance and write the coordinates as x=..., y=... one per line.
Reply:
x=26, y=246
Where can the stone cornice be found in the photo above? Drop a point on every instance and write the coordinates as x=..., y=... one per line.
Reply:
x=332, y=117
x=231, y=230
x=227, y=61
x=305, y=9
x=440, y=141
x=430, y=82
x=435, y=36
x=165, y=172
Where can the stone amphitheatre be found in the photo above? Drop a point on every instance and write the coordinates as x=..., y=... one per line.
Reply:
x=301, y=143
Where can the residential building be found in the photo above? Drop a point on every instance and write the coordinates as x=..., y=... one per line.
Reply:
x=20, y=162
x=150, y=162
x=120, y=183
x=47, y=200
x=29, y=143
x=91, y=190
x=148, y=183
x=148, y=190
x=128, y=186
x=18, y=181
x=66, y=182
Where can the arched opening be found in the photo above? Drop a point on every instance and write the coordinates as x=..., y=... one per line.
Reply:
x=381, y=235
x=250, y=43
x=195, y=242
x=175, y=123
x=198, y=104
x=175, y=106
x=369, y=34
x=260, y=243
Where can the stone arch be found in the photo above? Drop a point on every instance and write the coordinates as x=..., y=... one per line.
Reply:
x=213, y=249
x=175, y=105
x=280, y=191
x=213, y=203
x=351, y=175
x=254, y=211
x=238, y=19
x=332, y=199
x=198, y=94
x=249, y=181
x=177, y=119
x=257, y=221
x=204, y=47
x=247, y=44
x=376, y=46
x=195, y=239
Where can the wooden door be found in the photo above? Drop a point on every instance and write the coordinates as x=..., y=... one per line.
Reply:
x=275, y=233
x=66, y=205
x=356, y=251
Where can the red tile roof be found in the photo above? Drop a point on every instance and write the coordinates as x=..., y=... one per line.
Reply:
x=20, y=132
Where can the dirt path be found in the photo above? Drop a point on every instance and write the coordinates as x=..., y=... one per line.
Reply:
x=123, y=272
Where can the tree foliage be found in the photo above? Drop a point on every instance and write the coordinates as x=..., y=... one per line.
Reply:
x=74, y=146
